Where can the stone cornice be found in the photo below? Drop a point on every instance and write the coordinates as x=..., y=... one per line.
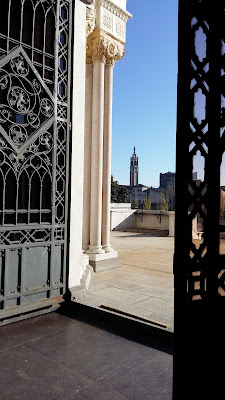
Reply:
x=101, y=47
x=114, y=9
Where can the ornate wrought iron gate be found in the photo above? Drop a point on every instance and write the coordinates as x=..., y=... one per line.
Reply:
x=34, y=129
x=199, y=266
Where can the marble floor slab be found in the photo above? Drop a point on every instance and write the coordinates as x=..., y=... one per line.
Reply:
x=60, y=357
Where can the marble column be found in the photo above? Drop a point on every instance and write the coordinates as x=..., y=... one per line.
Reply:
x=102, y=51
x=107, y=149
x=97, y=158
x=87, y=157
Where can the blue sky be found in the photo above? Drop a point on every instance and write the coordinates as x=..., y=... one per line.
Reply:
x=144, y=97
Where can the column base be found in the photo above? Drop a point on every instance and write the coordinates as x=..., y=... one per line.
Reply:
x=103, y=262
x=85, y=248
x=108, y=248
x=95, y=250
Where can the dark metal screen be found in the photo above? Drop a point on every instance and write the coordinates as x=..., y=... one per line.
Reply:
x=199, y=263
x=34, y=129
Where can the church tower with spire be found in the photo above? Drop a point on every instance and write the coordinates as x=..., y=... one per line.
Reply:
x=134, y=169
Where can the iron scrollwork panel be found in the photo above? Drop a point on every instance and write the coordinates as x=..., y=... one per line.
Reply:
x=34, y=140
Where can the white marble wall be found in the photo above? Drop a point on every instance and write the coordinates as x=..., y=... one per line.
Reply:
x=78, y=114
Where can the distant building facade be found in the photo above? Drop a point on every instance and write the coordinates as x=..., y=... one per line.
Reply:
x=194, y=176
x=166, y=179
x=139, y=192
x=155, y=194
x=134, y=169
x=142, y=193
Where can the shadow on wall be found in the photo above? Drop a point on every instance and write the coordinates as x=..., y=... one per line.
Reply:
x=129, y=221
x=127, y=218
x=121, y=216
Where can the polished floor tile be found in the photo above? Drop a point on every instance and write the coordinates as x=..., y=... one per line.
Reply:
x=28, y=374
x=98, y=391
x=66, y=357
x=31, y=329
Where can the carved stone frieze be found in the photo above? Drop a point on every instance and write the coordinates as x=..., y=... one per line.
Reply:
x=101, y=47
x=112, y=19
x=90, y=18
x=114, y=9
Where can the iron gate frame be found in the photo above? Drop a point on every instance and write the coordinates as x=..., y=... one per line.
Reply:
x=14, y=304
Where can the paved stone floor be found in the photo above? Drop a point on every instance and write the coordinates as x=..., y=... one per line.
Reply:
x=60, y=356
x=143, y=286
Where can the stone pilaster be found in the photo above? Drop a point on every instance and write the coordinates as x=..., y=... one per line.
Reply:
x=102, y=52
x=107, y=150
x=97, y=157
x=87, y=157
x=96, y=57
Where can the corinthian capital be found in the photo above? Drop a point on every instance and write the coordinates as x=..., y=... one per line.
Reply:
x=101, y=47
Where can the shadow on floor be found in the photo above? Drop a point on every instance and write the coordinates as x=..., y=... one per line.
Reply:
x=144, y=232
x=78, y=354
x=127, y=328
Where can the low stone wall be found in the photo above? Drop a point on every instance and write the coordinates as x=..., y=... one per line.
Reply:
x=149, y=219
x=159, y=220
x=122, y=217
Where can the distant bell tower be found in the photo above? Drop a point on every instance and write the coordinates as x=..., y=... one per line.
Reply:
x=134, y=169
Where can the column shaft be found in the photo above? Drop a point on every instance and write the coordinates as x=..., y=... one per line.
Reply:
x=97, y=158
x=87, y=157
x=107, y=149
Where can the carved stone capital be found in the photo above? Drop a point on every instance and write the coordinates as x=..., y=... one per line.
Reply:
x=90, y=18
x=101, y=47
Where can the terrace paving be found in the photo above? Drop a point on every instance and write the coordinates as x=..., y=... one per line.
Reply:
x=71, y=356
x=143, y=287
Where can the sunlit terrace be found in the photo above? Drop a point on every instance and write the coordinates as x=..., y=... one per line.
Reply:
x=142, y=287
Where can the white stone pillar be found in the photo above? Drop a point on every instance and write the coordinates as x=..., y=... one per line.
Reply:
x=97, y=158
x=102, y=49
x=77, y=162
x=107, y=149
x=87, y=156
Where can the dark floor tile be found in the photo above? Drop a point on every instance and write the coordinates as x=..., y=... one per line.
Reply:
x=150, y=379
x=31, y=329
x=27, y=374
x=90, y=350
x=97, y=391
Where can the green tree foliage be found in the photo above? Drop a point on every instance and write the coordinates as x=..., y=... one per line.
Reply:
x=164, y=203
x=147, y=203
x=118, y=193
x=135, y=203
x=170, y=196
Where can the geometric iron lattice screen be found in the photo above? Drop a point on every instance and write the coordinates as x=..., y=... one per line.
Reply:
x=34, y=134
x=199, y=259
x=200, y=240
